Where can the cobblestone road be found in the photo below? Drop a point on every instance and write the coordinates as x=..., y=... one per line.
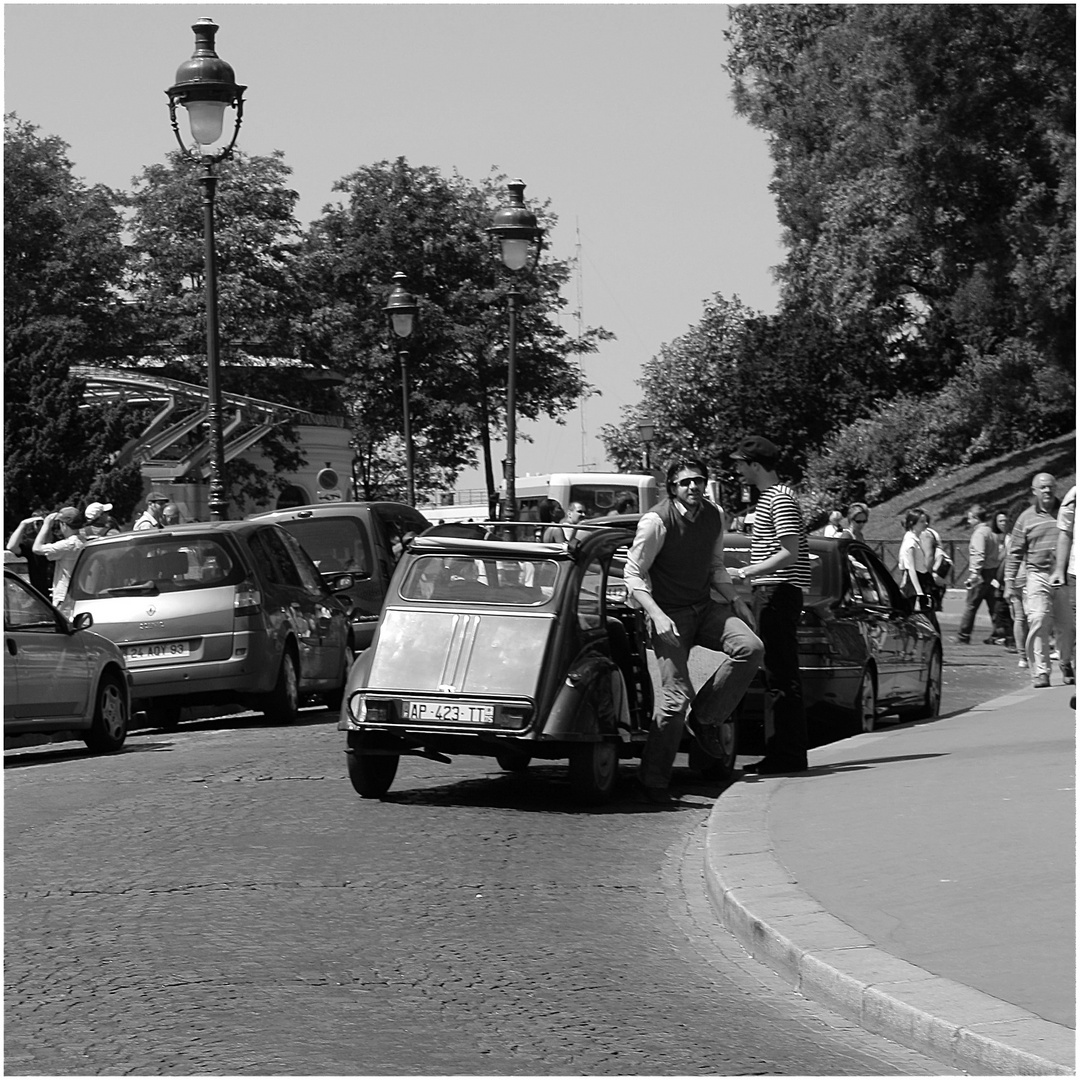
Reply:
x=220, y=901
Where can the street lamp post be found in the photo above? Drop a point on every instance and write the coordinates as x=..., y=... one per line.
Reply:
x=401, y=314
x=647, y=431
x=520, y=242
x=205, y=86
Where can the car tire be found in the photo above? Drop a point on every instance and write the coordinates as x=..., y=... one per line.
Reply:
x=163, y=713
x=371, y=774
x=864, y=713
x=594, y=769
x=714, y=756
x=513, y=760
x=111, y=714
x=931, y=703
x=282, y=704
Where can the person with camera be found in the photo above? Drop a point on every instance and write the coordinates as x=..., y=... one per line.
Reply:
x=675, y=573
x=59, y=541
x=21, y=545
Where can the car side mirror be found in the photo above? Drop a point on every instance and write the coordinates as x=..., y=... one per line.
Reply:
x=83, y=621
x=341, y=582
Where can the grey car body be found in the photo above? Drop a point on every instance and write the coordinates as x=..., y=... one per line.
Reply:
x=364, y=539
x=215, y=613
x=59, y=675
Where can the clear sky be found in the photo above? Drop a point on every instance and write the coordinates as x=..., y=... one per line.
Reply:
x=619, y=113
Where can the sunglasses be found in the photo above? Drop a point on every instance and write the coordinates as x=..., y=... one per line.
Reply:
x=860, y=521
x=686, y=481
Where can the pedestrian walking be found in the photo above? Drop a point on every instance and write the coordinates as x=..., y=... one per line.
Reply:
x=834, y=528
x=153, y=516
x=170, y=515
x=984, y=561
x=575, y=513
x=858, y=515
x=1033, y=540
x=1064, y=579
x=915, y=579
x=59, y=541
x=779, y=572
x=675, y=573
x=98, y=521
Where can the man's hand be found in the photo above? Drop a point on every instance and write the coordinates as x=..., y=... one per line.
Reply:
x=664, y=628
x=742, y=609
x=1057, y=578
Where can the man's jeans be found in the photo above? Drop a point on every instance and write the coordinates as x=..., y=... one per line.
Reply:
x=713, y=626
x=1047, y=609
x=777, y=609
x=983, y=589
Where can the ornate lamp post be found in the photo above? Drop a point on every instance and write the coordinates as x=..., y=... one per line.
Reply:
x=520, y=242
x=206, y=86
x=401, y=314
x=647, y=431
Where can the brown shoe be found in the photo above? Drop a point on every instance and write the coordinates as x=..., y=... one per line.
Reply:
x=1041, y=682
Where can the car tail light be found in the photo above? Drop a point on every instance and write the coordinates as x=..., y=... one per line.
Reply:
x=247, y=599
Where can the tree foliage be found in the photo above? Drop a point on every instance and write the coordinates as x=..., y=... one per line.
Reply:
x=394, y=217
x=63, y=261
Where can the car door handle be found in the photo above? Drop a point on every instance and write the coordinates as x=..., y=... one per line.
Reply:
x=12, y=647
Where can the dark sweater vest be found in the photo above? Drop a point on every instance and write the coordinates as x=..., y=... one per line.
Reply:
x=681, y=572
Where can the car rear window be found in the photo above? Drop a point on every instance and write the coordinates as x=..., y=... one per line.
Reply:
x=514, y=582
x=333, y=543
x=154, y=564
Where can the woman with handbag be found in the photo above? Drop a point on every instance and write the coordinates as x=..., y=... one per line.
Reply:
x=915, y=578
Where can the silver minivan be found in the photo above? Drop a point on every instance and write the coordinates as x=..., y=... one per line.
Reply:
x=229, y=612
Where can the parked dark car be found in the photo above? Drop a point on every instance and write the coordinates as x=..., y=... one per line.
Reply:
x=864, y=651
x=216, y=613
x=364, y=539
x=58, y=675
x=511, y=649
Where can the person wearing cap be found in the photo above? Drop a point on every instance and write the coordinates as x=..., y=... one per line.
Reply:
x=98, y=521
x=63, y=552
x=779, y=572
x=154, y=514
x=675, y=573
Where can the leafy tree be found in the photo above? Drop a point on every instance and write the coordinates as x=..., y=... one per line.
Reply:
x=924, y=164
x=259, y=298
x=397, y=217
x=63, y=265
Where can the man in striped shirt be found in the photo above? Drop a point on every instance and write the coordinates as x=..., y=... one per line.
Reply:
x=779, y=572
x=1034, y=543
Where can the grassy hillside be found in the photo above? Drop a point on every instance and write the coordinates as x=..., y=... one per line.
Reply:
x=995, y=483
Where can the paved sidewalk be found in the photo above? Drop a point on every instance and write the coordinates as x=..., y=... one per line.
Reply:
x=921, y=880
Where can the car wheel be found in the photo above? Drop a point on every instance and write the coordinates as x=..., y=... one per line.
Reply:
x=372, y=774
x=594, y=768
x=282, y=704
x=163, y=713
x=110, y=724
x=332, y=699
x=712, y=750
x=865, y=711
x=931, y=703
x=513, y=760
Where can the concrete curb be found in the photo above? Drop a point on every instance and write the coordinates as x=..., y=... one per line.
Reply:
x=786, y=929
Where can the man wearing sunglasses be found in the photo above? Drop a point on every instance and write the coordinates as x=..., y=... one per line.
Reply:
x=675, y=573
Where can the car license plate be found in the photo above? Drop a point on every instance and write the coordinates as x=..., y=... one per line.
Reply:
x=450, y=712
x=169, y=650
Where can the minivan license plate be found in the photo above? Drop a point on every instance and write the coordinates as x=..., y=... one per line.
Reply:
x=169, y=650
x=450, y=712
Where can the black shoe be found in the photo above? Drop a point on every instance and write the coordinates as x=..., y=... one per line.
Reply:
x=962, y=640
x=773, y=766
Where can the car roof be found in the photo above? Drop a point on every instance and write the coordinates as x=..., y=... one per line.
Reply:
x=326, y=509
x=188, y=528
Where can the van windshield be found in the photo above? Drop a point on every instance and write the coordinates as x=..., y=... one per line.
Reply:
x=152, y=564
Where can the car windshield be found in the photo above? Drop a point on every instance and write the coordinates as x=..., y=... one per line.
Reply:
x=154, y=565
x=334, y=543
x=514, y=582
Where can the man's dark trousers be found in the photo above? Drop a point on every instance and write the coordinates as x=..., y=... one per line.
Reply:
x=982, y=590
x=777, y=609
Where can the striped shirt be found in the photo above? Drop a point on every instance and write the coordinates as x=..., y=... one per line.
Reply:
x=1034, y=541
x=777, y=514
